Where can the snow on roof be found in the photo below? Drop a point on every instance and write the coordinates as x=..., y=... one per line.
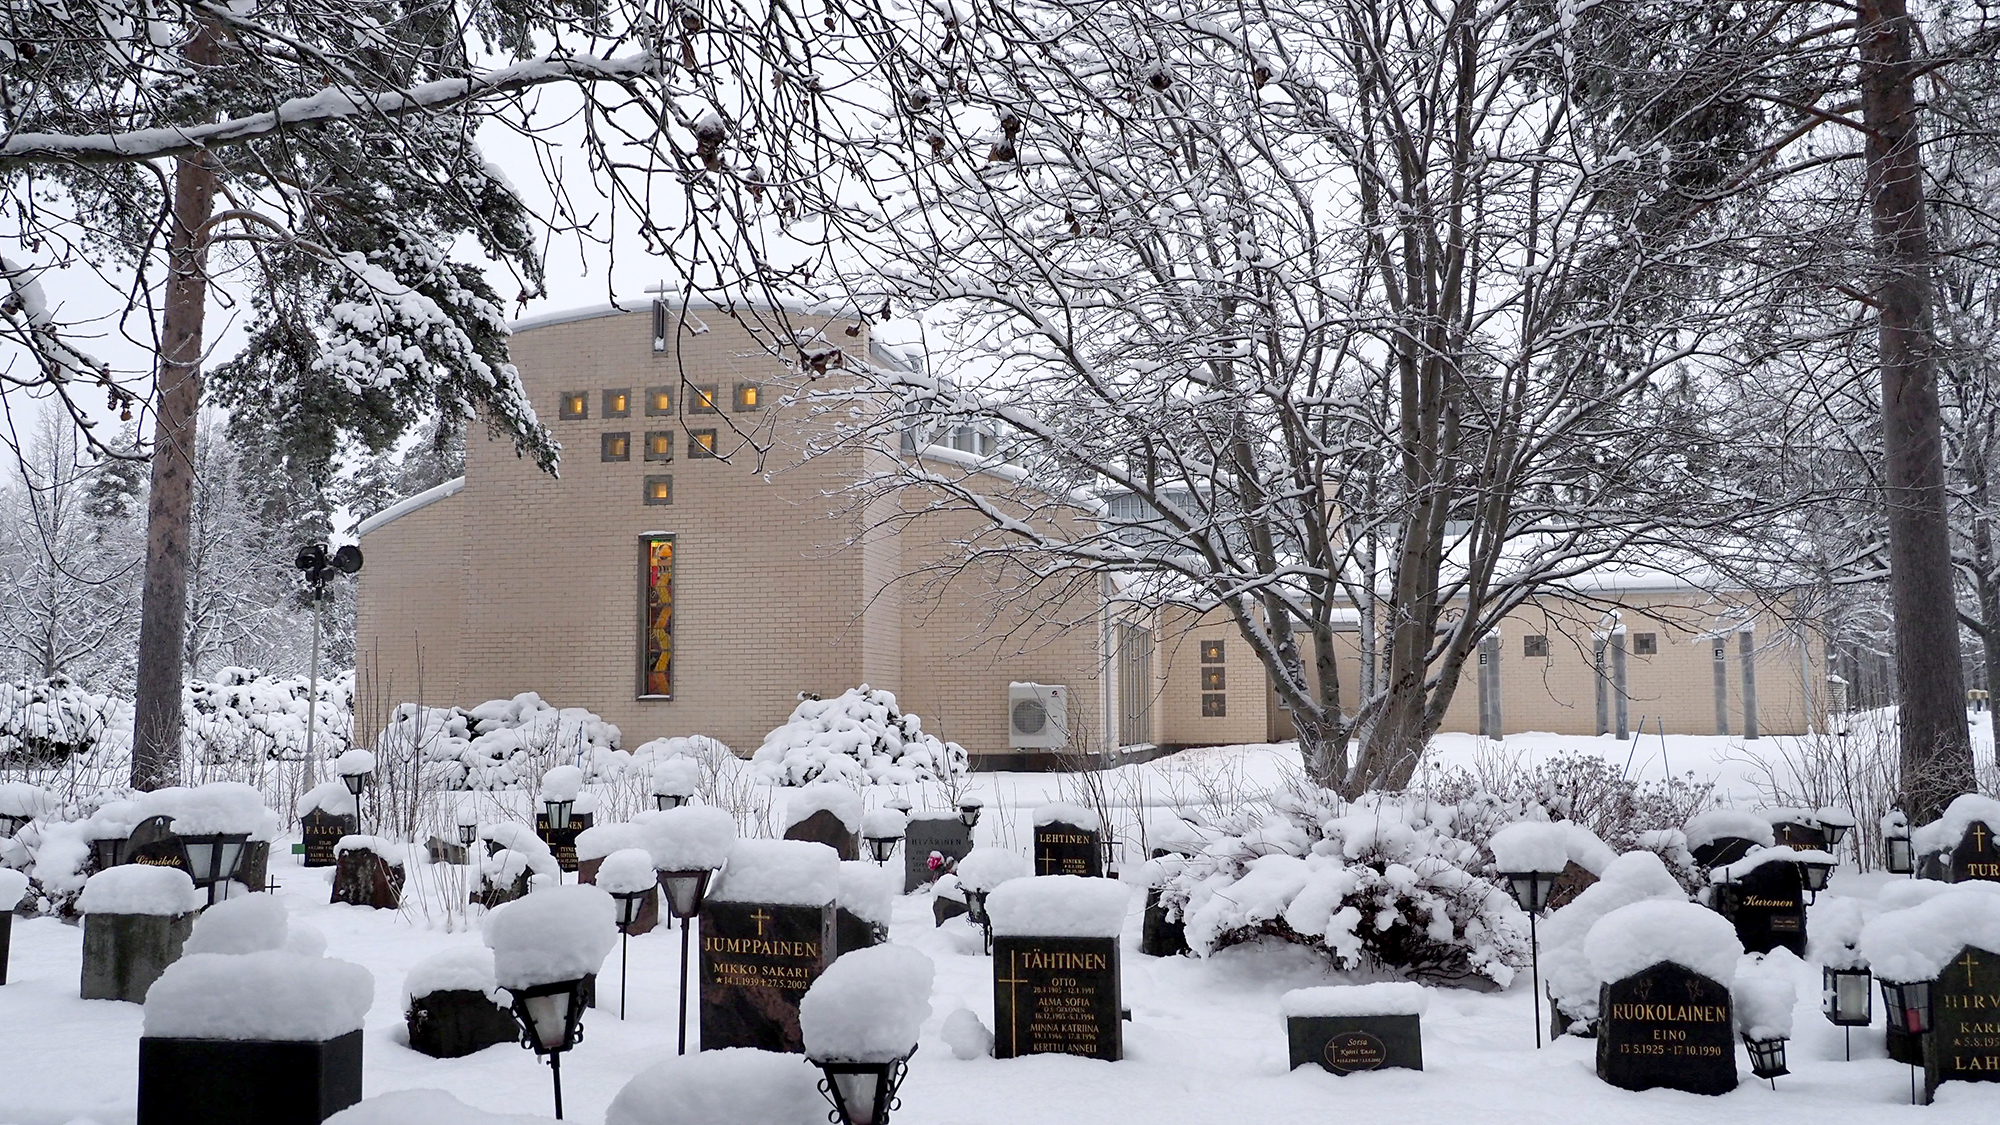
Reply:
x=868, y=1006
x=409, y=504
x=138, y=888
x=840, y=800
x=465, y=968
x=784, y=872
x=272, y=994
x=554, y=934
x=1777, y=853
x=731, y=1086
x=1062, y=812
x=1716, y=824
x=1384, y=998
x=1917, y=943
x=868, y=890
x=1944, y=833
x=985, y=868
x=1058, y=906
x=689, y=838
x=1632, y=939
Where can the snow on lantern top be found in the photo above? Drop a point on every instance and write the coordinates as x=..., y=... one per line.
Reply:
x=562, y=783
x=627, y=871
x=1835, y=927
x=1063, y=812
x=1715, y=824
x=465, y=968
x=843, y=802
x=139, y=888
x=355, y=761
x=554, y=934
x=677, y=777
x=1057, y=906
x=868, y=1005
x=1632, y=939
x=781, y=872
x=467, y=813
x=884, y=824
x=1764, y=996
x=1384, y=998
x=272, y=994
x=731, y=1086
x=1529, y=845
x=1944, y=833
x=689, y=838
x=985, y=868
x=1917, y=943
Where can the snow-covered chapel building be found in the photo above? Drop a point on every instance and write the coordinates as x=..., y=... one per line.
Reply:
x=675, y=582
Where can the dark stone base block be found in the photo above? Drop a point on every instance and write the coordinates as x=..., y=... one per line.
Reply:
x=852, y=932
x=1161, y=936
x=459, y=1021
x=123, y=954
x=1345, y=1044
x=247, y=1082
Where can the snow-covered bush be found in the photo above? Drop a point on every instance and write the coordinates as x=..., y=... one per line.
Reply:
x=1583, y=789
x=505, y=743
x=47, y=721
x=858, y=737
x=242, y=714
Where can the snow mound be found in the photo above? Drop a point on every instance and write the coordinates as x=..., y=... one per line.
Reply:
x=560, y=933
x=1917, y=943
x=627, y=870
x=1833, y=926
x=1062, y=812
x=1764, y=995
x=498, y=744
x=1634, y=938
x=731, y=1086
x=884, y=824
x=868, y=891
x=423, y=1107
x=220, y=806
x=389, y=851
x=1944, y=833
x=787, y=872
x=253, y=923
x=1530, y=846
x=600, y=840
x=1901, y=894
x=272, y=994
x=18, y=798
x=138, y=888
x=330, y=797
x=966, y=1035
x=1633, y=877
x=868, y=1005
x=840, y=800
x=985, y=868
x=1715, y=824
x=698, y=748
x=858, y=737
x=1058, y=906
x=1386, y=998
x=1779, y=853
x=690, y=838
x=468, y=968
x=352, y=762
x=14, y=885
x=562, y=783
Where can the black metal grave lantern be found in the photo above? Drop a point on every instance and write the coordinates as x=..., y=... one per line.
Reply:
x=975, y=910
x=862, y=1093
x=1767, y=1058
x=9, y=825
x=630, y=905
x=1835, y=833
x=1531, y=891
x=468, y=834
x=1902, y=858
x=212, y=859
x=1846, y=1001
x=1909, y=1005
x=551, y=1018
x=557, y=813
x=665, y=801
x=1815, y=873
x=104, y=852
x=355, y=782
x=685, y=890
x=882, y=847
x=969, y=810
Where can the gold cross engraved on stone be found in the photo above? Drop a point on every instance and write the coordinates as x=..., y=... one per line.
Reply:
x=1049, y=860
x=760, y=918
x=1979, y=836
x=1970, y=964
x=1012, y=979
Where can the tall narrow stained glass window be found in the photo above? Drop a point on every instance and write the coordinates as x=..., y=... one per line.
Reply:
x=656, y=570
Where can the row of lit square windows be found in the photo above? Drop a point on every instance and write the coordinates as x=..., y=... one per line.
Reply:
x=617, y=402
x=659, y=445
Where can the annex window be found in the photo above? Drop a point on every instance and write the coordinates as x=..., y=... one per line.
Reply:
x=575, y=405
x=659, y=445
x=1211, y=679
x=701, y=399
x=1534, y=644
x=749, y=396
x=659, y=490
x=656, y=641
x=1645, y=644
x=701, y=443
x=1721, y=652
x=618, y=403
x=1214, y=706
x=1211, y=652
x=659, y=402
x=614, y=447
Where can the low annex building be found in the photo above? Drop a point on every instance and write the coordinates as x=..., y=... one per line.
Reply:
x=692, y=572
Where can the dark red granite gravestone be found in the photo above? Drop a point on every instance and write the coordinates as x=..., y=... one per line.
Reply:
x=757, y=960
x=649, y=907
x=823, y=827
x=1575, y=878
x=362, y=878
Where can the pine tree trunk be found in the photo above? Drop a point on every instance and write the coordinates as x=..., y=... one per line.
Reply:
x=156, y=716
x=1936, y=746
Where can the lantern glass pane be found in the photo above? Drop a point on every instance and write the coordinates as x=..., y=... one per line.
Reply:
x=1816, y=875
x=684, y=891
x=232, y=858
x=1899, y=855
x=548, y=1016
x=1852, y=1000
x=201, y=860
x=859, y=1093
x=629, y=907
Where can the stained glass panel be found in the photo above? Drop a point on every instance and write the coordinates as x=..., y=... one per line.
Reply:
x=656, y=670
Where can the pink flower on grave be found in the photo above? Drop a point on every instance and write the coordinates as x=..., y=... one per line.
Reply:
x=935, y=862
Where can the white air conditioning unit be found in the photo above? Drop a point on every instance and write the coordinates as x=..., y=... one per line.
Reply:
x=1037, y=716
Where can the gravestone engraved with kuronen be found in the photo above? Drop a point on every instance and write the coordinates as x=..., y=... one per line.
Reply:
x=1977, y=856
x=1768, y=907
x=1666, y=1026
x=1062, y=848
x=1056, y=995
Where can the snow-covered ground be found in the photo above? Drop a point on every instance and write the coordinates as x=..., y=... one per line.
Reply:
x=1206, y=1043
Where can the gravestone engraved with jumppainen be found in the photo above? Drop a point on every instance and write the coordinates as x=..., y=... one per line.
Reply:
x=757, y=960
x=1065, y=849
x=1056, y=995
x=1666, y=1026
x=1977, y=855
x=941, y=834
x=1966, y=1019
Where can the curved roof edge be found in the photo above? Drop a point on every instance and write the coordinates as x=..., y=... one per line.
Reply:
x=405, y=506
x=621, y=306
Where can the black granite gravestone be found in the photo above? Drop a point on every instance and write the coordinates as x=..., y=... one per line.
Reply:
x=322, y=830
x=562, y=843
x=1723, y=850
x=757, y=960
x=262, y=1083
x=1768, y=907
x=1977, y=855
x=1966, y=1019
x=1056, y=995
x=1345, y=1044
x=928, y=833
x=153, y=842
x=441, y=850
x=362, y=878
x=123, y=954
x=1065, y=849
x=1161, y=936
x=1935, y=865
x=1666, y=1026
x=1799, y=837
x=823, y=827
x=454, y=1022
x=852, y=932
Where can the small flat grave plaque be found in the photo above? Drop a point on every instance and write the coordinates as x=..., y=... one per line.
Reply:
x=943, y=835
x=1977, y=855
x=757, y=960
x=562, y=843
x=1966, y=1000
x=322, y=830
x=1065, y=849
x=1346, y=1044
x=823, y=827
x=1056, y=996
x=444, y=851
x=1667, y=1026
x=1768, y=907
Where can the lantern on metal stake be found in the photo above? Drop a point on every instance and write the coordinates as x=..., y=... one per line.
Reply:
x=1767, y=1058
x=551, y=1018
x=685, y=890
x=1909, y=1011
x=1531, y=891
x=630, y=905
x=1846, y=1001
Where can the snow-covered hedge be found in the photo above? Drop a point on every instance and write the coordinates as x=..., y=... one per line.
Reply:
x=505, y=743
x=858, y=737
x=239, y=714
x=50, y=720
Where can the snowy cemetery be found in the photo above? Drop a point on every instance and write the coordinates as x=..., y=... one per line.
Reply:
x=848, y=926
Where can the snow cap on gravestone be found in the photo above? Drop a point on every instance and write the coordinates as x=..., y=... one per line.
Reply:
x=843, y=802
x=330, y=797
x=689, y=838
x=245, y=924
x=782, y=872
x=868, y=890
x=465, y=968
x=1632, y=939
x=1917, y=942
x=1063, y=812
x=1778, y=853
x=1944, y=833
x=389, y=851
x=868, y=1006
x=984, y=869
x=600, y=840
x=1058, y=906
x=218, y=807
x=730, y=1086
x=1383, y=998
x=140, y=888
x=272, y=994
x=1715, y=824
x=18, y=798
x=555, y=934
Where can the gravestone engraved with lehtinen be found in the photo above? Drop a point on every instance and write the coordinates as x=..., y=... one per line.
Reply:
x=1977, y=856
x=1056, y=995
x=1065, y=849
x=928, y=834
x=1799, y=837
x=757, y=960
x=1666, y=1026
x=1966, y=1019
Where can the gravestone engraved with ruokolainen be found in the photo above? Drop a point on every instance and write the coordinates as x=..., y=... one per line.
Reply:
x=823, y=827
x=1977, y=855
x=1666, y=1026
x=757, y=960
x=322, y=830
x=1768, y=907
x=1056, y=995
x=1966, y=1019
x=562, y=843
x=1065, y=849
x=928, y=833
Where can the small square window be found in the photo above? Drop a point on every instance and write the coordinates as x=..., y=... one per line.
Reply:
x=659, y=402
x=701, y=443
x=701, y=399
x=749, y=396
x=659, y=445
x=614, y=447
x=659, y=490
x=1534, y=645
x=1721, y=652
x=1211, y=652
x=1645, y=644
x=618, y=403
x=1211, y=679
x=575, y=405
x=1214, y=706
